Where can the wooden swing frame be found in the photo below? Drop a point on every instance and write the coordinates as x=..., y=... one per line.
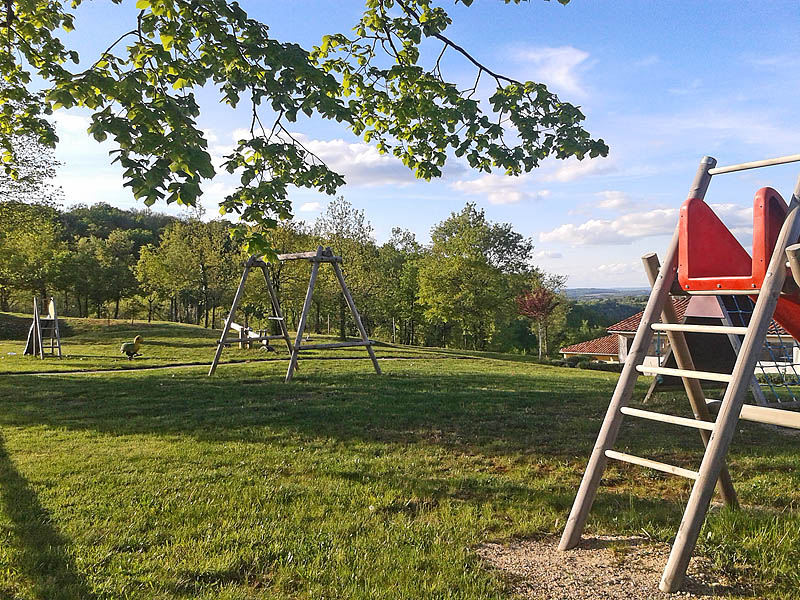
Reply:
x=316, y=258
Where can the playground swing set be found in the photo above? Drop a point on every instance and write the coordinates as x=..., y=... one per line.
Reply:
x=758, y=295
x=247, y=336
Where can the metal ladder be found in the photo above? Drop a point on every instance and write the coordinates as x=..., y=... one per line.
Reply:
x=716, y=433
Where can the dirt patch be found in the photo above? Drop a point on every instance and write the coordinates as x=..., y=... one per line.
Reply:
x=601, y=568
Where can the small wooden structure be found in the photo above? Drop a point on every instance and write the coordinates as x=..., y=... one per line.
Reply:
x=247, y=336
x=705, y=259
x=44, y=328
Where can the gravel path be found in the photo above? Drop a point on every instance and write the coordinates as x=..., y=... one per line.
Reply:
x=600, y=568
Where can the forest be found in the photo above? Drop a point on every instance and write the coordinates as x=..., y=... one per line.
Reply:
x=471, y=287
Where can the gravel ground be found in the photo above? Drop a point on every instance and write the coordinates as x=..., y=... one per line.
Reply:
x=601, y=568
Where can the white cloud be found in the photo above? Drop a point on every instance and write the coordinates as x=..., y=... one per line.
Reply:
x=500, y=189
x=641, y=224
x=615, y=270
x=573, y=169
x=545, y=254
x=558, y=68
x=310, y=207
x=361, y=164
x=647, y=61
x=714, y=126
x=622, y=230
x=613, y=200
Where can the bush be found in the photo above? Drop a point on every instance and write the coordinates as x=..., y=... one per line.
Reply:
x=594, y=365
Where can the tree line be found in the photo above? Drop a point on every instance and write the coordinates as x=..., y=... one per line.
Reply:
x=473, y=286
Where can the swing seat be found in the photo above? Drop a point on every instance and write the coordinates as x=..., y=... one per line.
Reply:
x=711, y=259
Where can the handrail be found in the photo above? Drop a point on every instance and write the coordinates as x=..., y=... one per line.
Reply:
x=782, y=160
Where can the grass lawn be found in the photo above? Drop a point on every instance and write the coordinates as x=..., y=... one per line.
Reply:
x=94, y=344
x=342, y=484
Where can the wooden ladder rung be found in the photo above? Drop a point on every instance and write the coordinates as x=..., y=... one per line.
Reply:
x=662, y=418
x=706, y=375
x=257, y=338
x=688, y=328
x=652, y=464
x=764, y=415
x=335, y=345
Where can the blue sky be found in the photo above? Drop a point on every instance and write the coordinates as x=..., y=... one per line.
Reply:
x=664, y=83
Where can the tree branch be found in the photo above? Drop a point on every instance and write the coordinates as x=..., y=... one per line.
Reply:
x=496, y=76
x=9, y=13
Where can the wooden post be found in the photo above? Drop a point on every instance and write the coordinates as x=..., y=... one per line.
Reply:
x=234, y=305
x=694, y=391
x=303, y=316
x=793, y=254
x=56, y=333
x=337, y=269
x=627, y=380
x=728, y=417
x=276, y=308
x=38, y=338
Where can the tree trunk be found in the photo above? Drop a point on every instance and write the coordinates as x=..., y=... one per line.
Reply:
x=317, y=325
x=541, y=341
x=116, y=308
x=546, y=350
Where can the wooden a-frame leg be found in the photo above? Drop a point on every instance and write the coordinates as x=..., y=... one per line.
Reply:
x=622, y=395
x=303, y=316
x=276, y=310
x=731, y=407
x=38, y=338
x=234, y=305
x=356, y=317
x=694, y=391
x=627, y=379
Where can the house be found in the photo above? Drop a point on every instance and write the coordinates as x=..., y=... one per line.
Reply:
x=781, y=351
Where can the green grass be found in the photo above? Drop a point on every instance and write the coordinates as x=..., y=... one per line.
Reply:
x=342, y=484
x=94, y=344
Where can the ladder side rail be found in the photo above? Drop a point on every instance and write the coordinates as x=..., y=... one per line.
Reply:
x=229, y=319
x=627, y=380
x=694, y=391
x=731, y=407
x=622, y=394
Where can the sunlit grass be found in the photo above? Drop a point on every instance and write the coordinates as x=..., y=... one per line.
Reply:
x=343, y=484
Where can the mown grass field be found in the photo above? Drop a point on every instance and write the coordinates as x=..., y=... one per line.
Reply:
x=342, y=484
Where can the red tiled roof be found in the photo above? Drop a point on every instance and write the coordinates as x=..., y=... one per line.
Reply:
x=631, y=324
x=604, y=345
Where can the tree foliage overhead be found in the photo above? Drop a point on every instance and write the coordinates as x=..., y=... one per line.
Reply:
x=141, y=91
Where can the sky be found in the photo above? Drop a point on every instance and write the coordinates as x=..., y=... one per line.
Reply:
x=663, y=83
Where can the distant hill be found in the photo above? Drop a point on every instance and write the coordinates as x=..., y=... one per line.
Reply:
x=604, y=293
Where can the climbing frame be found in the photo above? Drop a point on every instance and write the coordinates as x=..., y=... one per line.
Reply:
x=700, y=268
